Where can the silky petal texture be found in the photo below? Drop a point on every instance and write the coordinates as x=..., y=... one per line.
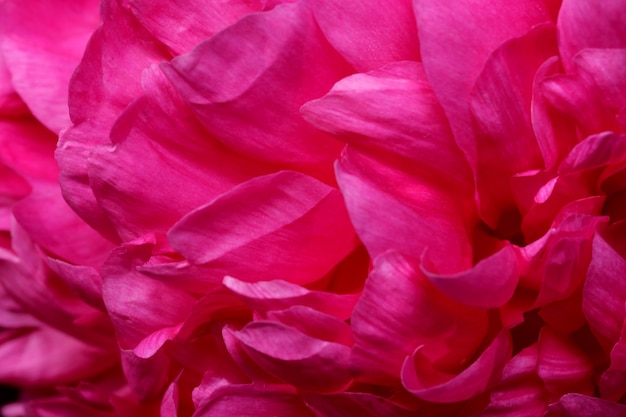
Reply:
x=418, y=216
x=56, y=42
x=605, y=293
x=489, y=284
x=607, y=67
x=425, y=381
x=454, y=52
x=401, y=310
x=305, y=362
x=364, y=36
x=315, y=324
x=63, y=407
x=293, y=227
x=500, y=103
x=36, y=357
x=181, y=26
x=562, y=366
x=145, y=164
x=393, y=109
x=85, y=281
x=520, y=392
x=585, y=24
x=28, y=148
x=147, y=378
x=106, y=81
x=264, y=296
x=612, y=382
x=354, y=404
x=58, y=229
x=44, y=295
x=555, y=134
x=130, y=296
x=577, y=405
x=238, y=108
x=250, y=401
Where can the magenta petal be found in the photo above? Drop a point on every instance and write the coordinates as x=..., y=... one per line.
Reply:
x=305, y=362
x=182, y=25
x=130, y=296
x=86, y=281
x=252, y=401
x=425, y=381
x=454, y=51
x=489, y=284
x=263, y=296
x=315, y=324
x=586, y=24
x=402, y=116
x=236, y=105
x=612, y=383
x=501, y=105
x=400, y=310
x=58, y=229
x=146, y=163
x=55, y=41
x=520, y=393
x=285, y=225
x=578, y=405
x=106, y=81
x=562, y=366
x=364, y=36
x=604, y=293
x=354, y=404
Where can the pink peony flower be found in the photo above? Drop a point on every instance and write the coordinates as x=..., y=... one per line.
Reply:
x=313, y=208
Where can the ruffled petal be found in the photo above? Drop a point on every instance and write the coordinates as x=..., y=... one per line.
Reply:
x=605, y=292
x=147, y=162
x=106, y=81
x=562, y=366
x=393, y=210
x=393, y=109
x=401, y=310
x=55, y=41
x=130, y=296
x=238, y=108
x=500, y=103
x=489, y=284
x=520, y=392
x=285, y=225
x=264, y=296
x=354, y=404
x=364, y=36
x=586, y=24
x=303, y=361
x=252, y=401
x=454, y=52
x=181, y=26
x=421, y=378
x=578, y=405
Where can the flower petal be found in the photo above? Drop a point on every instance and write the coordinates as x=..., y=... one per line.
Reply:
x=454, y=52
x=146, y=163
x=364, y=36
x=303, y=361
x=400, y=310
x=585, y=24
x=292, y=226
x=238, y=108
x=425, y=381
x=489, y=284
x=392, y=109
x=55, y=41
x=264, y=296
x=578, y=405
